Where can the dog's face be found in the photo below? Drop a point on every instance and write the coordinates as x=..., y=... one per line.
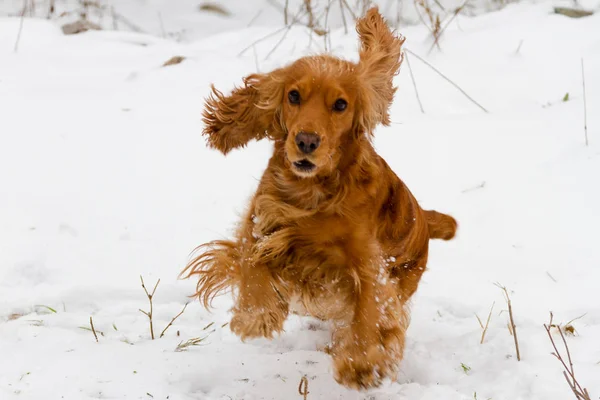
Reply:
x=314, y=107
x=318, y=113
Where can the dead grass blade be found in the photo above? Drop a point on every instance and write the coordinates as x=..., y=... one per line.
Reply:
x=183, y=346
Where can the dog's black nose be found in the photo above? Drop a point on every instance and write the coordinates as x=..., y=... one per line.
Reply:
x=307, y=142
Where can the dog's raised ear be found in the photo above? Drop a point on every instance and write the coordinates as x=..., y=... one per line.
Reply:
x=251, y=111
x=380, y=59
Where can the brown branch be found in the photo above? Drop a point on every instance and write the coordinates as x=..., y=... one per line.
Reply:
x=512, y=321
x=150, y=296
x=173, y=320
x=447, y=79
x=303, y=387
x=569, y=373
x=93, y=329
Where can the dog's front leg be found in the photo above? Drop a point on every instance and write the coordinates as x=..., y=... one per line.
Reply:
x=261, y=305
x=260, y=309
x=368, y=348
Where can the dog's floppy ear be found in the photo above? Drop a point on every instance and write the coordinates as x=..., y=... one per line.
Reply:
x=251, y=111
x=380, y=59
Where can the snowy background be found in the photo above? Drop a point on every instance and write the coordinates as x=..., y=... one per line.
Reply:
x=104, y=176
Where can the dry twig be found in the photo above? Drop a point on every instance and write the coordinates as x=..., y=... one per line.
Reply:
x=455, y=14
x=93, y=329
x=21, y=26
x=309, y=11
x=412, y=77
x=173, y=320
x=569, y=373
x=354, y=16
x=487, y=323
x=303, y=387
x=446, y=78
x=150, y=296
x=285, y=11
x=343, y=17
x=434, y=24
x=287, y=30
x=512, y=326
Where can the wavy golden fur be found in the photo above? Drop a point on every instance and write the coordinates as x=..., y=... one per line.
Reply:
x=331, y=228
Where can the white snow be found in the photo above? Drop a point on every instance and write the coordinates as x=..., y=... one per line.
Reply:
x=104, y=177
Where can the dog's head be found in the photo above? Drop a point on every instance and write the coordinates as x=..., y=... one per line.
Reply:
x=316, y=106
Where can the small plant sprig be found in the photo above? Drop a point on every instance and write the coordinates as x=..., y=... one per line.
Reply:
x=487, y=323
x=512, y=327
x=149, y=313
x=569, y=372
x=173, y=320
x=465, y=368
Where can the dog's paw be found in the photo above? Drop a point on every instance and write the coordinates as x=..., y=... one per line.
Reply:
x=255, y=325
x=363, y=368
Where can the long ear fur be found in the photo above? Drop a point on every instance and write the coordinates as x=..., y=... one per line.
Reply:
x=249, y=112
x=380, y=59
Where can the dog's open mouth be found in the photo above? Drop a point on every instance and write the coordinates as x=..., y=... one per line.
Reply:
x=304, y=165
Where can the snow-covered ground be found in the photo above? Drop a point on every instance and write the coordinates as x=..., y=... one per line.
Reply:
x=104, y=177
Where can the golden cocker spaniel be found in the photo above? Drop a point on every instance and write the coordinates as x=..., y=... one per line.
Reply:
x=331, y=229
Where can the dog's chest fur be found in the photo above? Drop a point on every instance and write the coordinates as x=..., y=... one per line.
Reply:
x=316, y=250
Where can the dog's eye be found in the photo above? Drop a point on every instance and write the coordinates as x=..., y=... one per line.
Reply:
x=294, y=97
x=340, y=105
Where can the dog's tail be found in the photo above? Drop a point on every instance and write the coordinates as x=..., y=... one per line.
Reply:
x=217, y=266
x=441, y=226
